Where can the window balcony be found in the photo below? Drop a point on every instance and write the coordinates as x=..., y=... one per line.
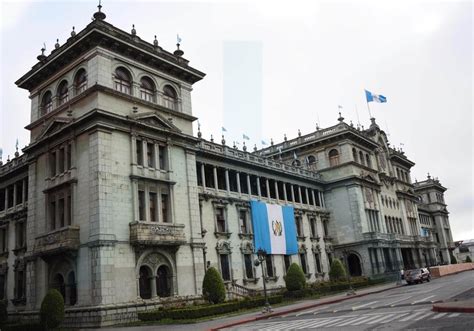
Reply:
x=58, y=241
x=156, y=234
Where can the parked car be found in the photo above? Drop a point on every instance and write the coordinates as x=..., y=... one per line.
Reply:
x=417, y=276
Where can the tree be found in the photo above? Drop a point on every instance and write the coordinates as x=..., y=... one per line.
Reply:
x=295, y=278
x=213, y=289
x=3, y=312
x=52, y=309
x=468, y=259
x=453, y=259
x=337, y=271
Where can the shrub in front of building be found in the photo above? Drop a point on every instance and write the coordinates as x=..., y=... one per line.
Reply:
x=52, y=310
x=295, y=279
x=337, y=271
x=213, y=289
x=453, y=259
x=468, y=259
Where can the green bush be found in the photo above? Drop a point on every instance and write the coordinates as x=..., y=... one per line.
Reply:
x=213, y=289
x=24, y=327
x=194, y=312
x=3, y=312
x=453, y=259
x=337, y=271
x=52, y=309
x=468, y=259
x=295, y=279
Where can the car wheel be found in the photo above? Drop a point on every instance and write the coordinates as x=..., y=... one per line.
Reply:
x=428, y=279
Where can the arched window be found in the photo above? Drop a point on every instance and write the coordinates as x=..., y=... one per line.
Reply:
x=123, y=80
x=367, y=159
x=311, y=159
x=147, y=89
x=354, y=154
x=361, y=157
x=163, y=281
x=72, y=288
x=58, y=283
x=80, y=81
x=296, y=163
x=170, y=97
x=63, y=93
x=333, y=157
x=398, y=173
x=145, y=282
x=46, y=103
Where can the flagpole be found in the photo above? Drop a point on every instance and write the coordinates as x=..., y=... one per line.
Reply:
x=368, y=108
x=357, y=113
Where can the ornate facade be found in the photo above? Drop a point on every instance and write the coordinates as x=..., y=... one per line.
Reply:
x=120, y=207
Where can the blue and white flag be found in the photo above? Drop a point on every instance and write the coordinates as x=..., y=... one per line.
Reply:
x=274, y=228
x=178, y=39
x=264, y=143
x=244, y=136
x=374, y=97
x=224, y=129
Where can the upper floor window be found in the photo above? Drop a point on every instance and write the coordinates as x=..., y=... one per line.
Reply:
x=333, y=157
x=354, y=154
x=243, y=221
x=221, y=224
x=311, y=159
x=299, y=226
x=80, y=81
x=123, y=80
x=153, y=203
x=63, y=93
x=361, y=157
x=46, y=103
x=147, y=89
x=170, y=97
x=367, y=158
x=60, y=159
x=60, y=208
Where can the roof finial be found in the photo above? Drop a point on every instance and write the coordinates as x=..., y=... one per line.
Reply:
x=428, y=176
x=17, y=154
x=134, y=32
x=42, y=57
x=245, y=147
x=73, y=32
x=155, y=42
x=199, y=130
x=56, y=46
x=340, y=119
x=299, y=133
x=1, y=154
x=178, y=52
x=99, y=15
x=212, y=139
x=223, y=140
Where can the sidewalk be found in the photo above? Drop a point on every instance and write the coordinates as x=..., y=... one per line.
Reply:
x=224, y=322
x=462, y=303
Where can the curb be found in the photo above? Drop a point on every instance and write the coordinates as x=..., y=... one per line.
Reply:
x=452, y=309
x=293, y=310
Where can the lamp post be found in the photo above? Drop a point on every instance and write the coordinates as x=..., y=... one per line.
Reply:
x=261, y=256
x=351, y=290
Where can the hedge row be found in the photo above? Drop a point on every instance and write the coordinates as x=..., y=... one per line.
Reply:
x=23, y=327
x=207, y=310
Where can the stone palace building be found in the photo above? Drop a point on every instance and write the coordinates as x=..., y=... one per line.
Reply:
x=121, y=207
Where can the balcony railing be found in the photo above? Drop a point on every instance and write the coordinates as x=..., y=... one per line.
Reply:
x=58, y=241
x=153, y=234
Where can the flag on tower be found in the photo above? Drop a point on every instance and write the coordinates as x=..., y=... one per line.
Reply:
x=244, y=136
x=374, y=97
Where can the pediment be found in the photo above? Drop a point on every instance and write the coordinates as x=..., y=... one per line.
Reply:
x=155, y=120
x=55, y=125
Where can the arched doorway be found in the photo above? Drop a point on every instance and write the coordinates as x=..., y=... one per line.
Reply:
x=145, y=282
x=163, y=281
x=58, y=284
x=71, y=284
x=354, y=265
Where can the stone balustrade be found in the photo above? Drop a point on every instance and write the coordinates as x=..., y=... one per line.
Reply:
x=153, y=234
x=57, y=241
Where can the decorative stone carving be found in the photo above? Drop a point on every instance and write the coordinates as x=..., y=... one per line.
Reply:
x=246, y=247
x=223, y=247
x=154, y=259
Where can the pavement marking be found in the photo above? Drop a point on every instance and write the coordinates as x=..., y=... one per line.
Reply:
x=439, y=315
x=454, y=314
x=352, y=321
x=424, y=299
x=367, y=319
x=383, y=317
x=423, y=316
x=367, y=304
x=402, y=299
x=411, y=316
x=393, y=318
x=328, y=323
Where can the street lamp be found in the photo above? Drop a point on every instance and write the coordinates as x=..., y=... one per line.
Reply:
x=261, y=256
x=351, y=290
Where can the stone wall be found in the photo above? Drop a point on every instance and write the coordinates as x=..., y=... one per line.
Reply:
x=445, y=270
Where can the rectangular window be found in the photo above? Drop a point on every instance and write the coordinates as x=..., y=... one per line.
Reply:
x=243, y=221
x=312, y=223
x=317, y=260
x=164, y=208
x=141, y=205
x=225, y=267
x=269, y=265
x=162, y=157
x=243, y=183
x=20, y=285
x=139, y=152
x=299, y=226
x=69, y=210
x=68, y=157
x=52, y=215
x=150, y=155
x=52, y=163
x=2, y=199
x=220, y=220
x=287, y=261
x=61, y=155
x=248, y=266
x=3, y=240
x=2, y=286
x=303, y=263
x=19, y=192
x=325, y=227
x=61, y=212
x=10, y=192
x=20, y=234
x=152, y=203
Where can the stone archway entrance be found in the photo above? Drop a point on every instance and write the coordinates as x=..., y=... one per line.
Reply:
x=163, y=281
x=145, y=282
x=353, y=262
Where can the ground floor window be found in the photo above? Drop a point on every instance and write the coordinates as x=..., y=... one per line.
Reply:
x=317, y=261
x=269, y=265
x=303, y=263
x=248, y=266
x=225, y=266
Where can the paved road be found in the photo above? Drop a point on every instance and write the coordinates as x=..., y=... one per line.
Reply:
x=405, y=308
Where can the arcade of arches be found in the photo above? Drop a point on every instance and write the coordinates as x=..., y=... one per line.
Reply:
x=63, y=278
x=155, y=276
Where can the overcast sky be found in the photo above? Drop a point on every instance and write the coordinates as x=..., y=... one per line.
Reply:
x=291, y=63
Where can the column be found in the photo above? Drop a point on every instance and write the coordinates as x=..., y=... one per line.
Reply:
x=23, y=193
x=237, y=177
x=259, y=190
x=268, y=187
x=14, y=194
x=153, y=287
x=322, y=199
x=307, y=196
x=216, y=186
x=248, y=185
x=203, y=175
x=276, y=191
x=299, y=194
x=285, y=193
x=292, y=193
x=314, y=198
x=227, y=185
x=135, y=198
